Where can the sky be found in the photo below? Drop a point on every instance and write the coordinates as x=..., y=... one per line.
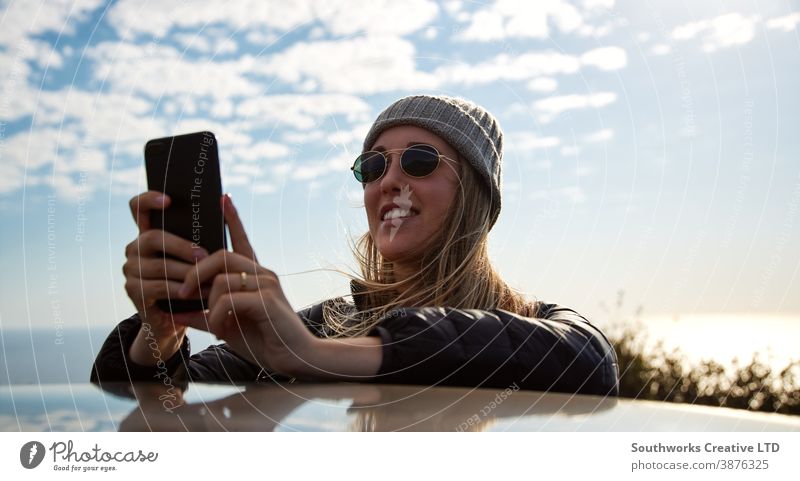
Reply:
x=651, y=148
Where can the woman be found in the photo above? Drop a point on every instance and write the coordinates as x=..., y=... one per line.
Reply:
x=428, y=309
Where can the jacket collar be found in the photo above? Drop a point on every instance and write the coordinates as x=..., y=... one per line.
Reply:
x=359, y=297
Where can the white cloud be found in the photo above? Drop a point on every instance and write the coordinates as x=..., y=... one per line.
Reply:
x=302, y=111
x=724, y=31
x=543, y=84
x=363, y=65
x=509, y=18
x=690, y=30
x=527, y=141
x=597, y=4
x=302, y=136
x=339, y=17
x=355, y=135
x=25, y=20
x=508, y=67
x=550, y=107
x=251, y=170
x=453, y=7
x=339, y=161
x=261, y=150
x=56, y=157
x=570, y=150
x=16, y=98
x=660, y=49
x=587, y=30
x=263, y=188
x=787, y=23
x=80, y=131
x=214, y=42
x=602, y=135
x=232, y=179
x=486, y=26
x=131, y=17
x=385, y=17
x=33, y=150
x=316, y=33
x=44, y=55
x=532, y=65
x=10, y=177
x=574, y=194
x=605, y=58
x=261, y=38
x=228, y=135
x=155, y=70
x=308, y=171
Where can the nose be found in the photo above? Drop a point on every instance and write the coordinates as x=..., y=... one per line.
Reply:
x=394, y=178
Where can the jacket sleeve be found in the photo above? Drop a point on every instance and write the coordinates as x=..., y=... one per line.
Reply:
x=557, y=351
x=215, y=364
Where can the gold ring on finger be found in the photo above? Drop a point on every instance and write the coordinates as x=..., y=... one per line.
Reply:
x=243, y=283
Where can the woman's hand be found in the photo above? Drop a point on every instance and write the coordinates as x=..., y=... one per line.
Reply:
x=150, y=276
x=247, y=307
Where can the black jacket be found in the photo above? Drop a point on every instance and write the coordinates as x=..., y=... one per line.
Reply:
x=558, y=351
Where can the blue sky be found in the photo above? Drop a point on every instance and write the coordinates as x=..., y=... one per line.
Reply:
x=651, y=147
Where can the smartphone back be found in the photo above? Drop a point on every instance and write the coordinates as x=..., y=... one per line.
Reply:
x=186, y=168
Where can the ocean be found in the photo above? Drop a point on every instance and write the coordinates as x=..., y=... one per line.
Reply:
x=43, y=356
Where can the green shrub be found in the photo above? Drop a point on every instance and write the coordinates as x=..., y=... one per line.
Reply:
x=652, y=372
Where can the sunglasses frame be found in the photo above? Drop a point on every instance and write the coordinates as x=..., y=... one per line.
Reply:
x=387, y=161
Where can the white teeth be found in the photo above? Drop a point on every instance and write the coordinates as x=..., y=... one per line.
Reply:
x=397, y=213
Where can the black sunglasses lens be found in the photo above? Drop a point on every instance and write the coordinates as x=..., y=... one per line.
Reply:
x=420, y=160
x=369, y=167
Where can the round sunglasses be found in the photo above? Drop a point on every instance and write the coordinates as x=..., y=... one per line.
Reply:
x=419, y=160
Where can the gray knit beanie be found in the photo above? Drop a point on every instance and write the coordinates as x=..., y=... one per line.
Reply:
x=467, y=127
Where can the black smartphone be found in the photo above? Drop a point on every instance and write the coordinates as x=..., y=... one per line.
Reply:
x=186, y=168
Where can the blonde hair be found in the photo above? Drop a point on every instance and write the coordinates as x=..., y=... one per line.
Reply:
x=455, y=270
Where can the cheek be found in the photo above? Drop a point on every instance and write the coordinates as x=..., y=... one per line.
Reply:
x=370, y=203
x=369, y=198
x=440, y=203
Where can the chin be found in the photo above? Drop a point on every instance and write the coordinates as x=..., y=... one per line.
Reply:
x=394, y=249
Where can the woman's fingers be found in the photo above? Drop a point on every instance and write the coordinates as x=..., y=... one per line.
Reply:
x=155, y=241
x=224, y=284
x=232, y=318
x=241, y=244
x=142, y=204
x=222, y=315
x=220, y=262
x=156, y=268
x=146, y=291
x=196, y=320
x=230, y=283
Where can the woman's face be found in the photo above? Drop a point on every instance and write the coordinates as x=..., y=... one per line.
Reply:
x=416, y=207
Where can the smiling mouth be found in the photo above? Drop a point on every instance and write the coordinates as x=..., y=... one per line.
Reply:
x=398, y=213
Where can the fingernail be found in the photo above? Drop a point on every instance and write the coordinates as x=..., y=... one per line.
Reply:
x=229, y=201
x=161, y=199
x=184, y=291
x=199, y=254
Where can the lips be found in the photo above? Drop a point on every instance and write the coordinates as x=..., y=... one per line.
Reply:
x=398, y=213
x=394, y=211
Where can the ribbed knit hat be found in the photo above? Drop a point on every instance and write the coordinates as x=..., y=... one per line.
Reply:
x=467, y=127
